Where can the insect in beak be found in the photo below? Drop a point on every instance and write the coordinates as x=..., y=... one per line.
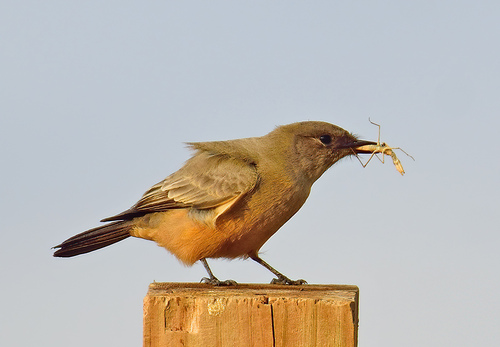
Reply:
x=377, y=147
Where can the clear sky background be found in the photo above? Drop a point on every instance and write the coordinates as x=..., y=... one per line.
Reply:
x=97, y=98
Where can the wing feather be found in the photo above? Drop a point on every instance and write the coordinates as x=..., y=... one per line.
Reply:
x=205, y=181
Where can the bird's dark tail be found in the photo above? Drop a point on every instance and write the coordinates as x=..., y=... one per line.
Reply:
x=93, y=239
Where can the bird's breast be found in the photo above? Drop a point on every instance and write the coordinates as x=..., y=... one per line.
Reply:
x=254, y=219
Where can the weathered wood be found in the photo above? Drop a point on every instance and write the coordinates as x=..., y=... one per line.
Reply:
x=193, y=314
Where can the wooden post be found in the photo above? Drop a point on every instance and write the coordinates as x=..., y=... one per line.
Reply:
x=193, y=314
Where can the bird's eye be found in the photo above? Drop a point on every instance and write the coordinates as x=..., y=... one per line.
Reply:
x=325, y=139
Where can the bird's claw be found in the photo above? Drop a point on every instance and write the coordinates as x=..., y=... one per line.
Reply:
x=285, y=280
x=216, y=282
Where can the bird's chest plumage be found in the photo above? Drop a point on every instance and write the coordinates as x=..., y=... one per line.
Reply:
x=256, y=217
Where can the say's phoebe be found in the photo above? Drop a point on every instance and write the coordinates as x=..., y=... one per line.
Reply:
x=229, y=198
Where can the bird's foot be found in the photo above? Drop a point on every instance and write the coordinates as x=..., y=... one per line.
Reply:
x=216, y=282
x=285, y=280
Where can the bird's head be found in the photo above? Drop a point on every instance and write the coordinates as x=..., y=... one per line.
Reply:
x=313, y=147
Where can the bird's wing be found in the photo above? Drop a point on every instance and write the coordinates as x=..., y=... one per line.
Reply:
x=206, y=181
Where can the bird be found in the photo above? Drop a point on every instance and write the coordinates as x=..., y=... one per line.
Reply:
x=229, y=197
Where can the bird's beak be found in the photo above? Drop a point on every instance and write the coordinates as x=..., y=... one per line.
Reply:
x=358, y=145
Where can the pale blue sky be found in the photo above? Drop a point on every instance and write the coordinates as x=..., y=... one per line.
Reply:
x=96, y=100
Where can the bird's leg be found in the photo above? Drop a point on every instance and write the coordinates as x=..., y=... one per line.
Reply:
x=212, y=279
x=281, y=279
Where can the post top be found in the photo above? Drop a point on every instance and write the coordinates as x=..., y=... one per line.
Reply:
x=323, y=291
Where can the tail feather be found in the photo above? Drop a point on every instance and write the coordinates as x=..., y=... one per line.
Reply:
x=93, y=239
